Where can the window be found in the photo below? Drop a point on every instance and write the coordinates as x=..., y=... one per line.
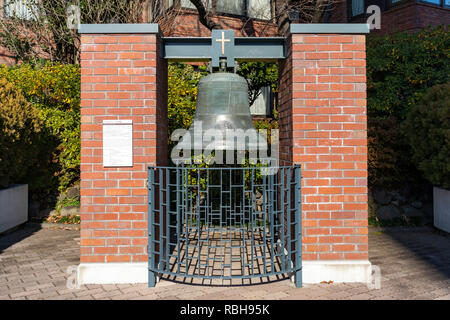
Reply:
x=258, y=9
x=22, y=9
x=231, y=6
x=188, y=4
x=357, y=7
x=440, y=3
x=436, y=2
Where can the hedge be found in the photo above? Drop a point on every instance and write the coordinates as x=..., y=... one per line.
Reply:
x=427, y=128
x=400, y=69
x=54, y=89
x=21, y=129
x=402, y=66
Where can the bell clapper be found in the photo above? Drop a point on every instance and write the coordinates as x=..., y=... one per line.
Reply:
x=223, y=65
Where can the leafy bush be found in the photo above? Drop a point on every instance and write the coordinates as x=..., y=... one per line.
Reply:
x=182, y=94
x=258, y=75
x=20, y=126
x=428, y=130
x=402, y=66
x=55, y=90
x=389, y=155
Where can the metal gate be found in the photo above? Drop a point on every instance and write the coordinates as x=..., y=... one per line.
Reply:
x=224, y=223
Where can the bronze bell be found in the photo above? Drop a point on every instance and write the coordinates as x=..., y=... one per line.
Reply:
x=222, y=103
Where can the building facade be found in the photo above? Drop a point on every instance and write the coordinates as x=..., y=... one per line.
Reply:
x=256, y=17
x=396, y=15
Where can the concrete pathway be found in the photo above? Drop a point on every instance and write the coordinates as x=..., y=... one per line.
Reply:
x=414, y=264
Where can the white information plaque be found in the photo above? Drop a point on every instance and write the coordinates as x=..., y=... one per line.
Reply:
x=117, y=143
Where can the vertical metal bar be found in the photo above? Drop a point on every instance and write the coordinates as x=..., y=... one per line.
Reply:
x=230, y=228
x=199, y=195
x=269, y=212
x=283, y=211
x=167, y=216
x=187, y=209
x=179, y=225
x=298, y=229
x=161, y=219
x=221, y=243
x=151, y=251
x=288, y=174
x=208, y=210
x=252, y=234
x=242, y=223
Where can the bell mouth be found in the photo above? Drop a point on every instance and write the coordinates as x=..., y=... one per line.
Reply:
x=224, y=133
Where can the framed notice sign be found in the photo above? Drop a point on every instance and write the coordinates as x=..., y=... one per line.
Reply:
x=117, y=143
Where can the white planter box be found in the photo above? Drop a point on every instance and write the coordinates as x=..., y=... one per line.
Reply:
x=441, y=204
x=13, y=206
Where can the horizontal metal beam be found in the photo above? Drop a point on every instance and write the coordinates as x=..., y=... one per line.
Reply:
x=200, y=48
x=188, y=48
x=260, y=48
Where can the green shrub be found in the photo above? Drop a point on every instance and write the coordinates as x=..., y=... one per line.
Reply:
x=20, y=127
x=258, y=75
x=182, y=94
x=428, y=131
x=402, y=66
x=55, y=90
x=389, y=155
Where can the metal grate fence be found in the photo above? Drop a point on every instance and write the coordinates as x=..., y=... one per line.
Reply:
x=224, y=223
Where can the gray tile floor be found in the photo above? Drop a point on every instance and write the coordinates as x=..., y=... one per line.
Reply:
x=414, y=264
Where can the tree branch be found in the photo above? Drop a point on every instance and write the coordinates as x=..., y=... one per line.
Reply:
x=203, y=15
x=321, y=6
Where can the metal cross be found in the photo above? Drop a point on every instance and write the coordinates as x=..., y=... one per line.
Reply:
x=223, y=40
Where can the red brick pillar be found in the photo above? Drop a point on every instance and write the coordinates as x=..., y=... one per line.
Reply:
x=323, y=126
x=123, y=78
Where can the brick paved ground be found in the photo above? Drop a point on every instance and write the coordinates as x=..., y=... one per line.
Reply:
x=414, y=263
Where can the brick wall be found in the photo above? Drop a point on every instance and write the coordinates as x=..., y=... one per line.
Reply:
x=411, y=16
x=6, y=58
x=123, y=77
x=186, y=23
x=323, y=126
x=432, y=15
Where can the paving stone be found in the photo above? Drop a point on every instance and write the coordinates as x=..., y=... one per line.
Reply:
x=87, y=292
x=107, y=294
x=24, y=294
x=414, y=264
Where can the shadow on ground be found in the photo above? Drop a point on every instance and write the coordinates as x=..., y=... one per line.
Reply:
x=16, y=235
x=411, y=256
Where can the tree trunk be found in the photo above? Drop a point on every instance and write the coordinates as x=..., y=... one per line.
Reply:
x=204, y=16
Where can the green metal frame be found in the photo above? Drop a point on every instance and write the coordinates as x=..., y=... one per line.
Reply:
x=224, y=223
